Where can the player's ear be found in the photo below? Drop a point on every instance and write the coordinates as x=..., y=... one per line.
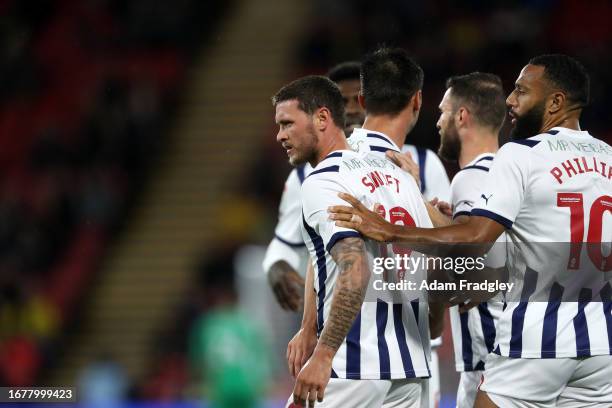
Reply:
x=417, y=99
x=322, y=118
x=462, y=116
x=556, y=101
x=361, y=100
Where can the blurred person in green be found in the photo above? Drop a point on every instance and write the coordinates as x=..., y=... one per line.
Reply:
x=228, y=350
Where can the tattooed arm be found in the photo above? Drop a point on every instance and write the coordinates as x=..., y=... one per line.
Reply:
x=349, y=292
x=287, y=285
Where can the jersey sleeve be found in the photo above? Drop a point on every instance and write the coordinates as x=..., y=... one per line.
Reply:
x=288, y=244
x=318, y=193
x=437, y=181
x=503, y=189
x=288, y=228
x=465, y=190
x=279, y=251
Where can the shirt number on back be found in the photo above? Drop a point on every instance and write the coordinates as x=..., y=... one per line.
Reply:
x=397, y=216
x=575, y=202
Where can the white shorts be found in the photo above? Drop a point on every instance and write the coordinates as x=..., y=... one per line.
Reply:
x=555, y=382
x=468, y=388
x=408, y=393
x=434, y=381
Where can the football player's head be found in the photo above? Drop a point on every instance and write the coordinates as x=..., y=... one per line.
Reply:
x=549, y=89
x=305, y=109
x=346, y=76
x=471, y=101
x=391, y=84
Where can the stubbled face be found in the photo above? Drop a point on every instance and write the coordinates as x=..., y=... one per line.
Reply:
x=296, y=132
x=527, y=102
x=354, y=115
x=450, y=145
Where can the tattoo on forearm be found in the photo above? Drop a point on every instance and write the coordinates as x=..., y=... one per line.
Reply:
x=349, y=292
x=278, y=269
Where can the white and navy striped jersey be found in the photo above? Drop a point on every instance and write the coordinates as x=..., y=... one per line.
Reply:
x=388, y=340
x=288, y=244
x=432, y=174
x=474, y=330
x=554, y=187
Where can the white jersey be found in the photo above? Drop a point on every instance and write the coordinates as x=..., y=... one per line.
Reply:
x=388, y=340
x=288, y=244
x=433, y=179
x=554, y=187
x=474, y=330
x=434, y=184
x=432, y=174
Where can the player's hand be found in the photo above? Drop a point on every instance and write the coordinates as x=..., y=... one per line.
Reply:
x=312, y=380
x=464, y=307
x=463, y=301
x=288, y=287
x=358, y=217
x=406, y=163
x=442, y=206
x=300, y=349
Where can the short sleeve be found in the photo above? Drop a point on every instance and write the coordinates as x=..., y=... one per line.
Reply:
x=288, y=228
x=319, y=192
x=465, y=190
x=503, y=191
x=279, y=251
x=288, y=244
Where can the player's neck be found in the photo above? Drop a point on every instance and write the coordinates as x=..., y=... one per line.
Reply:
x=395, y=128
x=328, y=144
x=477, y=145
x=569, y=120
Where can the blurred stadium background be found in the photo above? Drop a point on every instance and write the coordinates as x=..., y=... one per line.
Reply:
x=140, y=177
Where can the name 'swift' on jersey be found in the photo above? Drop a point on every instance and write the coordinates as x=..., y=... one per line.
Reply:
x=389, y=339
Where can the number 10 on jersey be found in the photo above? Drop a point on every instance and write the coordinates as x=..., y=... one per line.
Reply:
x=575, y=203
